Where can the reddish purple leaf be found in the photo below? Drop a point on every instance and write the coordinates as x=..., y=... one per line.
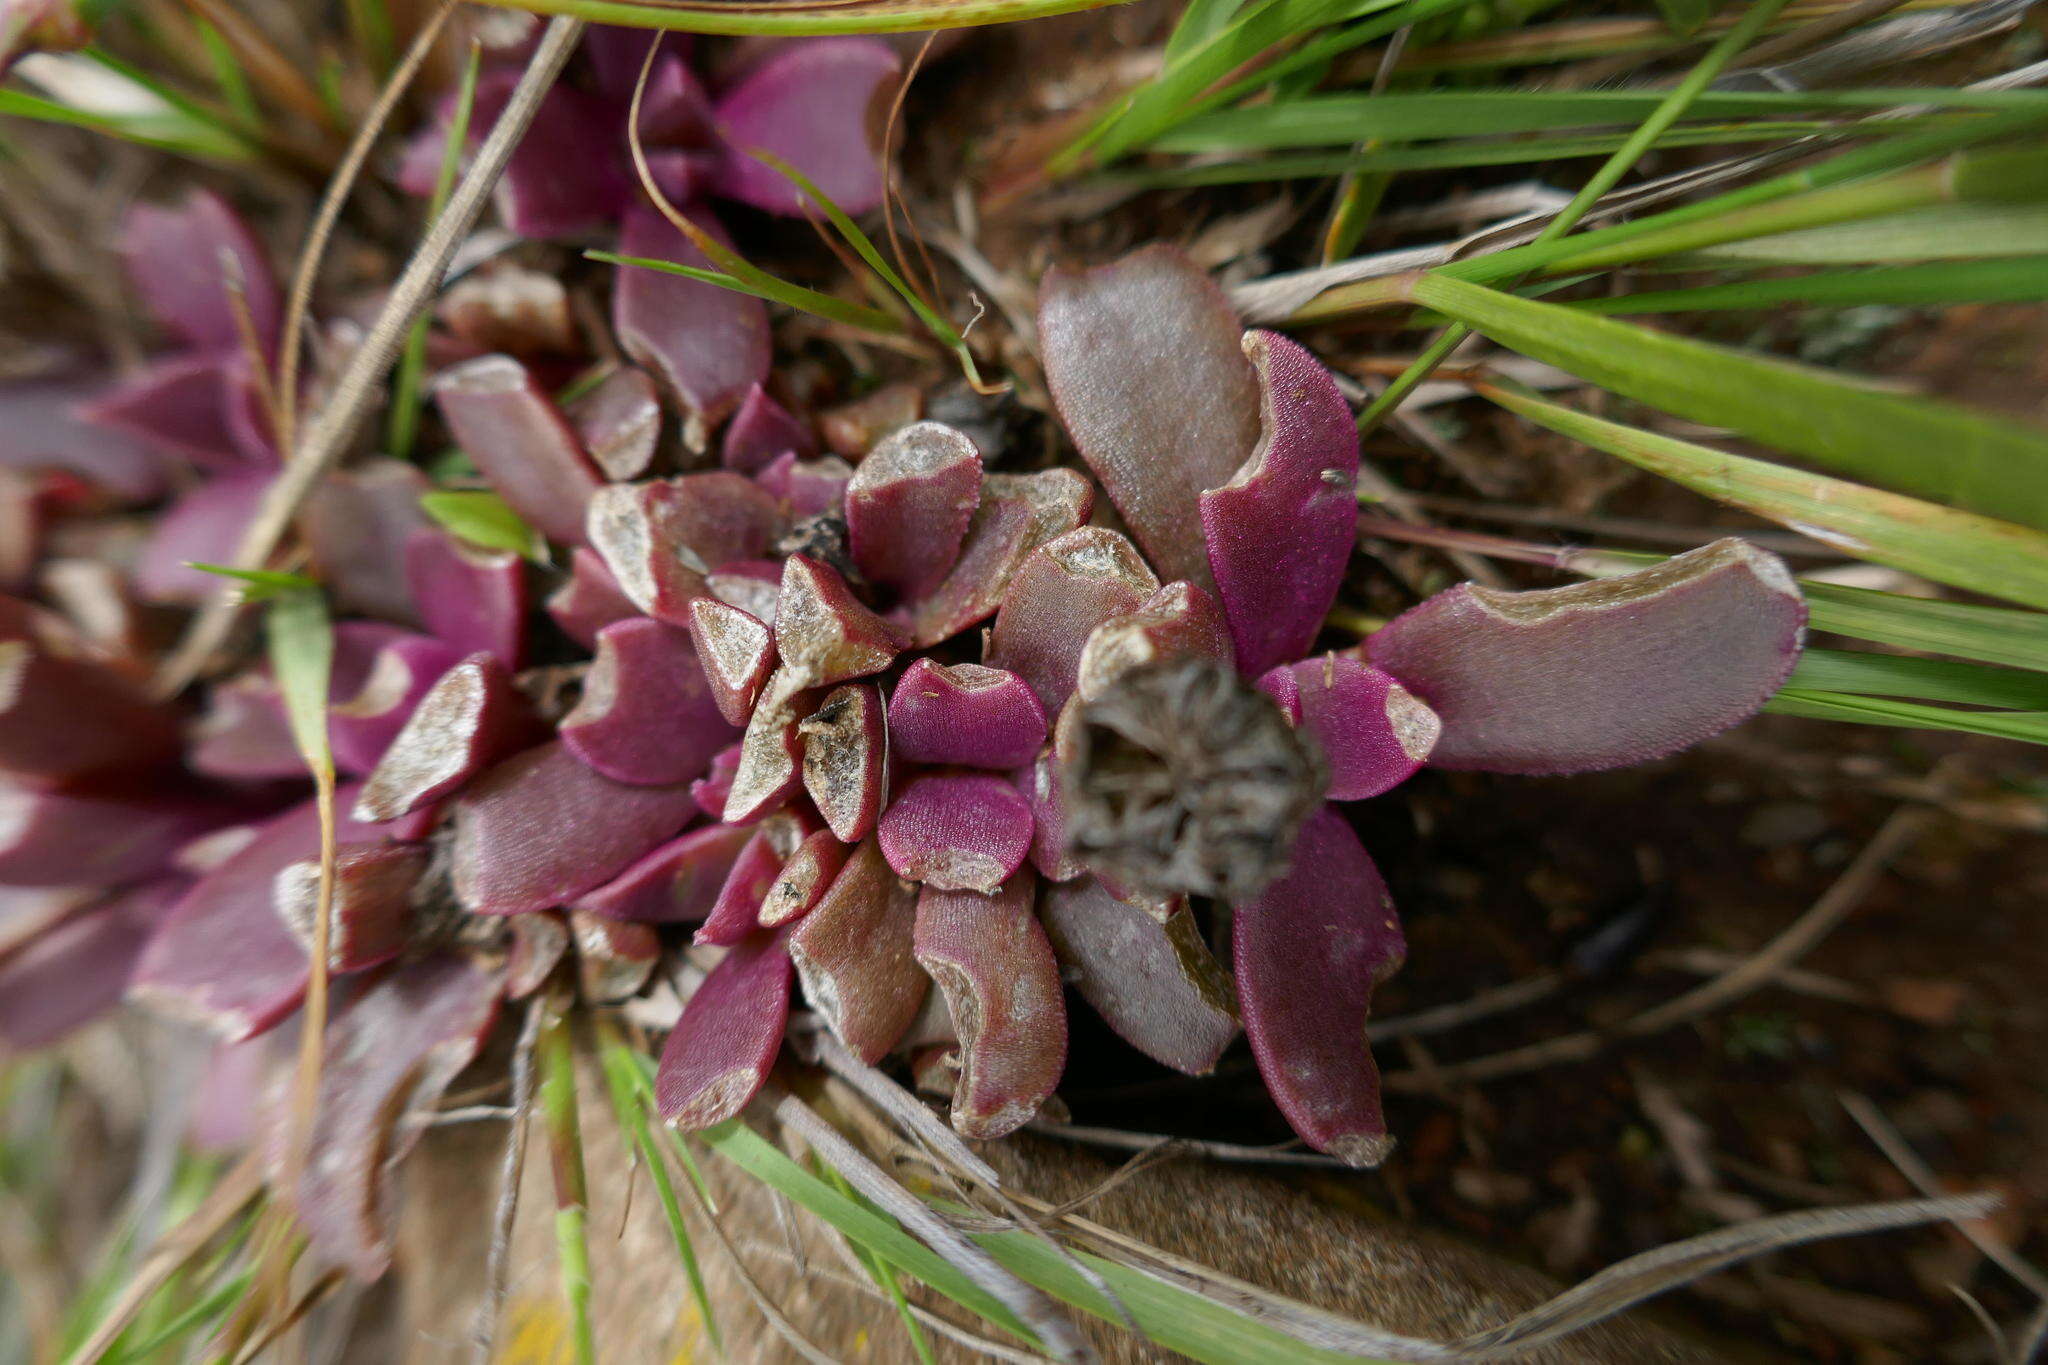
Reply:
x=853, y=955
x=719, y=1053
x=846, y=759
x=1309, y=951
x=771, y=751
x=909, y=504
x=391, y=1051
x=991, y=958
x=968, y=714
x=1599, y=674
x=471, y=599
x=660, y=538
x=542, y=828
x=707, y=345
x=363, y=727
x=737, y=653
x=803, y=879
x=1040, y=785
x=614, y=958
x=506, y=307
x=589, y=600
x=1018, y=513
x=356, y=525
x=1155, y=983
x=815, y=105
x=539, y=943
x=77, y=970
x=27, y=911
x=1143, y=359
x=189, y=261
x=203, y=526
x=752, y=585
x=64, y=716
x=737, y=911
x=677, y=883
x=710, y=791
x=222, y=957
x=853, y=428
x=823, y=632
x=372, y=915
x=243, y=734
x=227, y=1107
x=1280, y=532
x=565, y=178
x=177, y=404
x=469, y=719
x=805, y=488
x=1067, y=588
x=1177, y=622
x=646, y=716
x=760, y=432
x=619, y=423
x=50, y=838
x=1373, y=732
x=41, y=430
x=508, y=425
x=957, y=832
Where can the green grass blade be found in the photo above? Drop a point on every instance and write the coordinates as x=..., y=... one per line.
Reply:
x=1986, y=464
x=1998, y=635
x=1945, y=232
x=301, y=643
x=762, y=285
x=228, y=74
x=484, y=519
x=1891, y=675
x=1685, y=16
x=258, y=585
x=1199, y=22
x=169, y=131
x=2030, y=727
x=884, y=1276
x=1936, y=284
x=572, y=1197
x=798, y=19
x=188, y=1322
x=1962, y=549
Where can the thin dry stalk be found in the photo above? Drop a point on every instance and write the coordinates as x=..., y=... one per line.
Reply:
x=276, y=73
x=1121, y=1140
x=511, y=1168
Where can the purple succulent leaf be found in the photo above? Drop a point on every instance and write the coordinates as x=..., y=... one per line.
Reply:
x=371, y=918
x=969, y=714
x=752, y=585
x=471, y=717
x=178, y=405
x=243, y=734
x=78, y=969
x=993, y=961
x=675, y=112
x=804, y=878
x=1374, y=733
x=1018, y=513
x=568, y=175
x=363, y=726
x=356, y=525
x=506, y=307
x=471, y=599
x=589, y=599
x=1281, y=531
x=806, y=488
x=678, y=883
x=41, y=430
x=187, y=262
x=711, y=791
x=222, y=957
x=619, y=423
x=1145, y=367
x=762, y=431
x=65, y=716
x=26, y=912
x=815, y=105
x=1155, y=983
x=770, y=769
x=1599, y=674
x=909, y=505
x=227, y=1105
x=615, y=55
x=1067, y=588
x=737, y=911
x=246, y=412
x=719, y=1053
x=614, y=958
x=542, y=828
x=707, y=345
x=508, y=425
x=853, y=428
x=1039, y=782
x=737, y=652
x=391, y=1050
x=853, y=955
x=647, y=716
x=824, y=633
x=540, y=941
x=1178, y=621
x=957, y=831
x=661, y=538
x=205, y=526
x=1309, y=951
x=846, y=759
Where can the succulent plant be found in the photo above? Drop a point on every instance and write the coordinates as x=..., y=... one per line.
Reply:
x=860, y=729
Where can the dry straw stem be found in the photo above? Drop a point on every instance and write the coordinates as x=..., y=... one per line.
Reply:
x=498, y=1262
x=338, y=422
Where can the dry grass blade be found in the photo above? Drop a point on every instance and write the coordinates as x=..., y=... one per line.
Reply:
x=899, y=1104
x=1166, y=1144
x=414, y=290
x=274, y=1331
x=498, y=1263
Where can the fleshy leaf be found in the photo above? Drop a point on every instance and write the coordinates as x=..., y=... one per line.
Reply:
x=76, y=970
x=804, y=488
x=909, y=504
x=761, y=431
x=957, y=832
x=804, y=877
x=521, y=442
x=1067, y=588
x=678, y=883
x=539, y=943
x=1178, y=621
x=65, y=717
x=470, y=599
x=991, y=958
x=42, y=430
x=647, y=715
x=471, y=717
x=1309, y=951
x=969, y=714
x=1018, y=513
x=614, y=958
x=589, y=600
x=771, y=751
x=824, y=633
x=707, y=345
x=1155, y=983
x=1145, y=366
x=813, y=104
x=356, y=525
x=737, y=652
x=660, y=538
x=711, y=790
x=619, y=423
x=363, y=726
x=1280, y=532
x=371, y=916
x=59, y=838
x=1374, y=733
x=853, y=955
x=185, y=260
x=1599, y=674
x=204, y=525
x=719, y=1053
x=542, y=828
x=565, y=177
x=853, y=428
x=177, y=404
x=846, y=759
x=737, y=911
